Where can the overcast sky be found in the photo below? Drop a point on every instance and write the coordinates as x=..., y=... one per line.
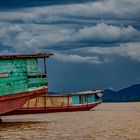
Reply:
x=96, y=42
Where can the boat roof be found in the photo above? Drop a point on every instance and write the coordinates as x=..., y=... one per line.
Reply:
x=36, y=55
x=77, y=93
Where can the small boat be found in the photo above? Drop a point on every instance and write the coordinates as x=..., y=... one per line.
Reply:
x=50, y=103
x=20, y=79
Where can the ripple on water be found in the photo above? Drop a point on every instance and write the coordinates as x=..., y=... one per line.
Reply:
x=107, y=122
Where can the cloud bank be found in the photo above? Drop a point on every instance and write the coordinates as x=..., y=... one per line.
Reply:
x=130, y=50
x=105, y=27
x=22, y=38
x=74, y=58
x=104, y=9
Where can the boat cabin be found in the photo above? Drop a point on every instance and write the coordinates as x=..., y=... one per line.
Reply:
x=87, y=97
x=20, y=73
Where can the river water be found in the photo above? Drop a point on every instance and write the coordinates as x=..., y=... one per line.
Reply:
x=107, y=121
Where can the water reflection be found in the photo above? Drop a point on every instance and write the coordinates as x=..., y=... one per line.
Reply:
x=18, y=125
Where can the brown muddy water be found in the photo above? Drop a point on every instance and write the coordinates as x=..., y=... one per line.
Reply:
x=108, y=121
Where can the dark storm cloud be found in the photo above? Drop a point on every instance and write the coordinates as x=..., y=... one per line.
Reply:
x=11, y=4
x=27, y=37
x=96, y=43
x=119, y=74
x=75, y=25
x=112, y=10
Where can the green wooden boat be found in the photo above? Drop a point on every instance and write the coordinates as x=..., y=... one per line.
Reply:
x=20, y=79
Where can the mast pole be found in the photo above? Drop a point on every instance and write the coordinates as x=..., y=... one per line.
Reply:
x=45, y=68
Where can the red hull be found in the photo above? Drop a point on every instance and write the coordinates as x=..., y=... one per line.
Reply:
x=53, y=109
x=12, y=102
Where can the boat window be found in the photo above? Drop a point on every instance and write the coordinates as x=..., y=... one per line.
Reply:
x=42, y=69
x=36, y=72
x=98, y=96
x=85, y=98
x=81, y=99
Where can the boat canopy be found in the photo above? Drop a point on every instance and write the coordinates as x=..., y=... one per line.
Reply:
x=37, y=55
x=76, y=93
